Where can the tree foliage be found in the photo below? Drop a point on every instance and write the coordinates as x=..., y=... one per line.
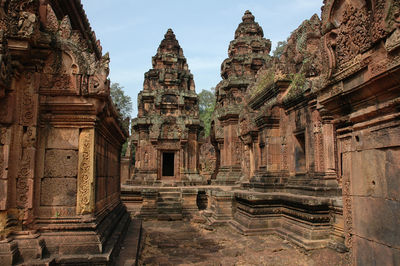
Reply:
x=206, y=108
x=122, y=101
x=280, y=47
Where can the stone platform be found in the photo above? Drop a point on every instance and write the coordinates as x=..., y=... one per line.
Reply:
x=189, y=243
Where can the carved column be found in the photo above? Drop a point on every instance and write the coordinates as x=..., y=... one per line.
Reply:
x=86, y=185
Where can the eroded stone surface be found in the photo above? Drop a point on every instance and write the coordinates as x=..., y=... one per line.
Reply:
x=58, y=192
x=61, y=163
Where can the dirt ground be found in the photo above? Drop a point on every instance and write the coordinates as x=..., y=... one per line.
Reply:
x=188, y=243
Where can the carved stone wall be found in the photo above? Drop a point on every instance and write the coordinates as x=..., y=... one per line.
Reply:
x=359, y=93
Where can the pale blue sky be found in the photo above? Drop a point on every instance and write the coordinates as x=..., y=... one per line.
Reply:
x=131, y=31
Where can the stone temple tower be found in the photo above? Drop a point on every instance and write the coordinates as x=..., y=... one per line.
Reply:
x=166, y=132
x=247, y=53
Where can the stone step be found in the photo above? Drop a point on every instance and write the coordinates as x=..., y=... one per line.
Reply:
x=169, y=211
x=170, y=217
x=169, y=189
x=169, y=205
x=169, y=201
x=170, y=194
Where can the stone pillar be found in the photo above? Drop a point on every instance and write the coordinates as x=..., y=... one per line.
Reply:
x=149, y=205
x=125, y=169
x=86, y=186
x=189, y=204
x=221, y=206
x=329, y=148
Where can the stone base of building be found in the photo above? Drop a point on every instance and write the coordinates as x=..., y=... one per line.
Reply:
x=150, y=179
x=220, y=205
x=303, y=220
x=69, y=242
x=228, y=175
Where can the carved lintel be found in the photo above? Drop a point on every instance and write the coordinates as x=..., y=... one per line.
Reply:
x=85, y=196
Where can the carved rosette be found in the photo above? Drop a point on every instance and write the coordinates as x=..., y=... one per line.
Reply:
x=85, y=197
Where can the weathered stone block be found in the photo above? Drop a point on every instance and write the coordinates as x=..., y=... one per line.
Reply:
x=58, y=192
x=377, y=219
x=371, y=253
x=63, y=138
x=380, y=177
x=61, y=163
x=392, y=168
x=368, y=180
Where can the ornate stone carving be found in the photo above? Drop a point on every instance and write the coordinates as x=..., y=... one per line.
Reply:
x=98, y=83
x=27, y=24
x=5, y=65
x=24, y=173
x=85, y=195
x=65, y=28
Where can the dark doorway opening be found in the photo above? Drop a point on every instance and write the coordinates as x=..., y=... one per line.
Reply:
x=168, y=164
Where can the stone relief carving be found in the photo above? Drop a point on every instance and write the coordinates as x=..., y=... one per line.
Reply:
x=98, y=83
x=5, y=65
x=65, y=28
x=85, y=172
x=27, y=101
x=347, y=33
x=393, y=42
x=27, y=24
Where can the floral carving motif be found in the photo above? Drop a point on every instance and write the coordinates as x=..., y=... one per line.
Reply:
x=353, y=35
x=22, y=181
x=85, y=174
x=27, y=101
x=85, y=171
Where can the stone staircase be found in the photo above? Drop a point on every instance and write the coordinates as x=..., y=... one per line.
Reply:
x=169, y=204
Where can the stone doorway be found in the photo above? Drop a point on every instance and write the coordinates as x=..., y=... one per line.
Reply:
x=168, y=164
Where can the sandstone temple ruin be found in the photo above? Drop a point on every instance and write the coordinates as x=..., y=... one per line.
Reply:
x=167, y=129
x=60, y=139
x=303, y=145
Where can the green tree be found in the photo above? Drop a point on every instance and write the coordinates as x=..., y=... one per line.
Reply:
x=280, y=47
x=206, y=108
x=122, y=102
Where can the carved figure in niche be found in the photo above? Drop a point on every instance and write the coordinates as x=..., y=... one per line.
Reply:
x=146, y=158
x=237, y=152
x=29, y=138
x=26, y=24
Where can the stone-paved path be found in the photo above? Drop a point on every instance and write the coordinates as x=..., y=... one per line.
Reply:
x=186, y=243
